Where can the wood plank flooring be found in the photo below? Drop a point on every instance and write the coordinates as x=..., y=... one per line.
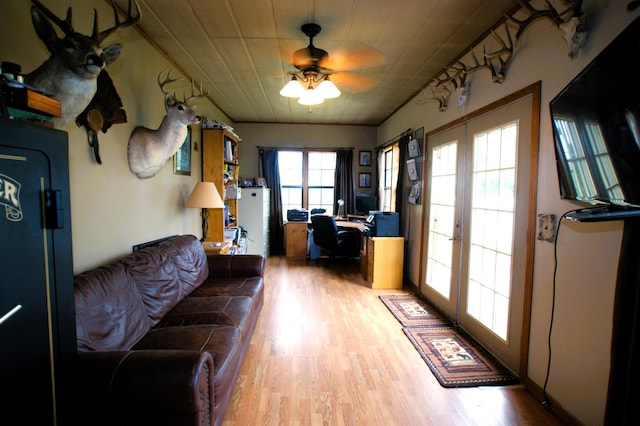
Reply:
x=326, y=351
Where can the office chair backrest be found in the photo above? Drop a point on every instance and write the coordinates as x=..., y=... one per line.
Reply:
x=325, y=231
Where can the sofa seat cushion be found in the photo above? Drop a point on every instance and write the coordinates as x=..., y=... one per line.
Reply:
x=223, y=342
x=220, y=341
x=110, y=314
x=252, y=287
x=222, y=310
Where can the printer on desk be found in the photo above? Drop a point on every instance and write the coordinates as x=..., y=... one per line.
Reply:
x=383, y=224
x=297, y=215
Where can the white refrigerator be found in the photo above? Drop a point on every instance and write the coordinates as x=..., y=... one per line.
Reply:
x=253, y=216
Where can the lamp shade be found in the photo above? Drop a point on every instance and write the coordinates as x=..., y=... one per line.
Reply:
x=293, y=89
x=327, y=89
x=205, y=196
x=311, y=97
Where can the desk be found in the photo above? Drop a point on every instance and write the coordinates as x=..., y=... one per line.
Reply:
x=211, y=247
x=296, y=240
x=296, y=236
x=358, y=226
x=382, y=261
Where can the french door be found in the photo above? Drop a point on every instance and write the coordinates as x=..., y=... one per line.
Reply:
x=478, y=213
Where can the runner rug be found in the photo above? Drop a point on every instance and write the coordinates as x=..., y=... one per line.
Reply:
x=453, y=358
x=411, y=310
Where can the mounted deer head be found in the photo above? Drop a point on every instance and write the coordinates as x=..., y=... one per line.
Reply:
x=71, y=72
x=148, y=150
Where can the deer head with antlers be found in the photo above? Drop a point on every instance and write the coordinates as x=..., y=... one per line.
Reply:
x=148, y=150
x=70, y=73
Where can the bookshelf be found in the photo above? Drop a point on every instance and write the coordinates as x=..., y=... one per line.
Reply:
x=220, y=166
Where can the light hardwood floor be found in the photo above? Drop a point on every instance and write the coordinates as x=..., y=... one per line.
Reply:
x=326, y=351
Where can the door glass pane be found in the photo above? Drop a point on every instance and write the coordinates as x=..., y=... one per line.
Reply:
x=492, y=221
x=442, y=218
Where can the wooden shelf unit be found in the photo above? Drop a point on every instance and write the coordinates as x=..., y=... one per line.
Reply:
x=220, y=155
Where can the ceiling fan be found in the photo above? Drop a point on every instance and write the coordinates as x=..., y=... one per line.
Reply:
x=311, y=84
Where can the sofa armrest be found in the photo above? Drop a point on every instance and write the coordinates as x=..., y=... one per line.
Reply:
x=144, y=387
x=238, y=266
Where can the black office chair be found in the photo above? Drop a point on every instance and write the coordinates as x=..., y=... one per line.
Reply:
x=336, y=242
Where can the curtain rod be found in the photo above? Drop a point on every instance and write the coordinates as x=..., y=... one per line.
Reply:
x=304, y=147
x=393, y=139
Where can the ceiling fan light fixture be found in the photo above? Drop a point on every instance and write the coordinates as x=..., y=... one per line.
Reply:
x=327, y=89
x=311, y=97
x=293, y=89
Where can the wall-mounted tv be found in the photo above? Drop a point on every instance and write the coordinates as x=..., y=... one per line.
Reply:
x=596, y=129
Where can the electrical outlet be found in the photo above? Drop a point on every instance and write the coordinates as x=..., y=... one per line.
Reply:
x=546, y=227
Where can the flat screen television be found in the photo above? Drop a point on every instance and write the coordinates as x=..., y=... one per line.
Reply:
x=596, y=129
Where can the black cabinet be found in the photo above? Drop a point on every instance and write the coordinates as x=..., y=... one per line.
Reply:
x=37, y=328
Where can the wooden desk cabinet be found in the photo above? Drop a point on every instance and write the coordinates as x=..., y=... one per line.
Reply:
x=296, y=240
x=382, y=261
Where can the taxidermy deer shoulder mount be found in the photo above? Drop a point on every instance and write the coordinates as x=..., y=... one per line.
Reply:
x=70, y=74
x=148, y=150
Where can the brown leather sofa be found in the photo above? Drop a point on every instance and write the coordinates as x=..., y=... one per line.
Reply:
x=162, y=334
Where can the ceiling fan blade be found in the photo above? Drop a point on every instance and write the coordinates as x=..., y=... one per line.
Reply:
x=353, y=57
x=354, y=82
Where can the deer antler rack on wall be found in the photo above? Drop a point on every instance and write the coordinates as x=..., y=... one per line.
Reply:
x=453, y=79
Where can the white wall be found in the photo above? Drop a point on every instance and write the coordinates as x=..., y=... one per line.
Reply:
x=587, y=253
x=111, y=209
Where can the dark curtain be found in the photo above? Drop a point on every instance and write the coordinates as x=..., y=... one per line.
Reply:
x=344, y=182
x=403, y=147
x=269, y=168
x=624, y=376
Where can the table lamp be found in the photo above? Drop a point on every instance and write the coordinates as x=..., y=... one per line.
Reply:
x=340, y=208
x=205, y=196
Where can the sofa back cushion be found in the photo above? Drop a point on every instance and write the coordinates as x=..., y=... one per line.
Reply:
x=190, y=261
x=156, y=278
x=110, y=314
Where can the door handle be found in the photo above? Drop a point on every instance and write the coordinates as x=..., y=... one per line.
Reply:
x=10, y=313
x=455, y=238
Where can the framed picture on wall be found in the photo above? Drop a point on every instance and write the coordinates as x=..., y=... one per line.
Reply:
x=182, y=157
x=365, y=158
x=364, y=180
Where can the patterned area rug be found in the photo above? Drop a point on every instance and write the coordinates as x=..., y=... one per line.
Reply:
x=411, y=310
x=454, y=359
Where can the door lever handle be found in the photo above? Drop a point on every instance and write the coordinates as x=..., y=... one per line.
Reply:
x=10, y=313
x=455, y=238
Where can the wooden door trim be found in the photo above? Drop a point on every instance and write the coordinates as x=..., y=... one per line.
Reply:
x=533, y=90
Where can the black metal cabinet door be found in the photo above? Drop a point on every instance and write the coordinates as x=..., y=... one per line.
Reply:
x=30, y=322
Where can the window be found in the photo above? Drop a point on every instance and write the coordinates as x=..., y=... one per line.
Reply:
x=307, y=180
x=390, y=164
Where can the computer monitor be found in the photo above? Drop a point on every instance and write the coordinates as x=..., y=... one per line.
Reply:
x=365, y=203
